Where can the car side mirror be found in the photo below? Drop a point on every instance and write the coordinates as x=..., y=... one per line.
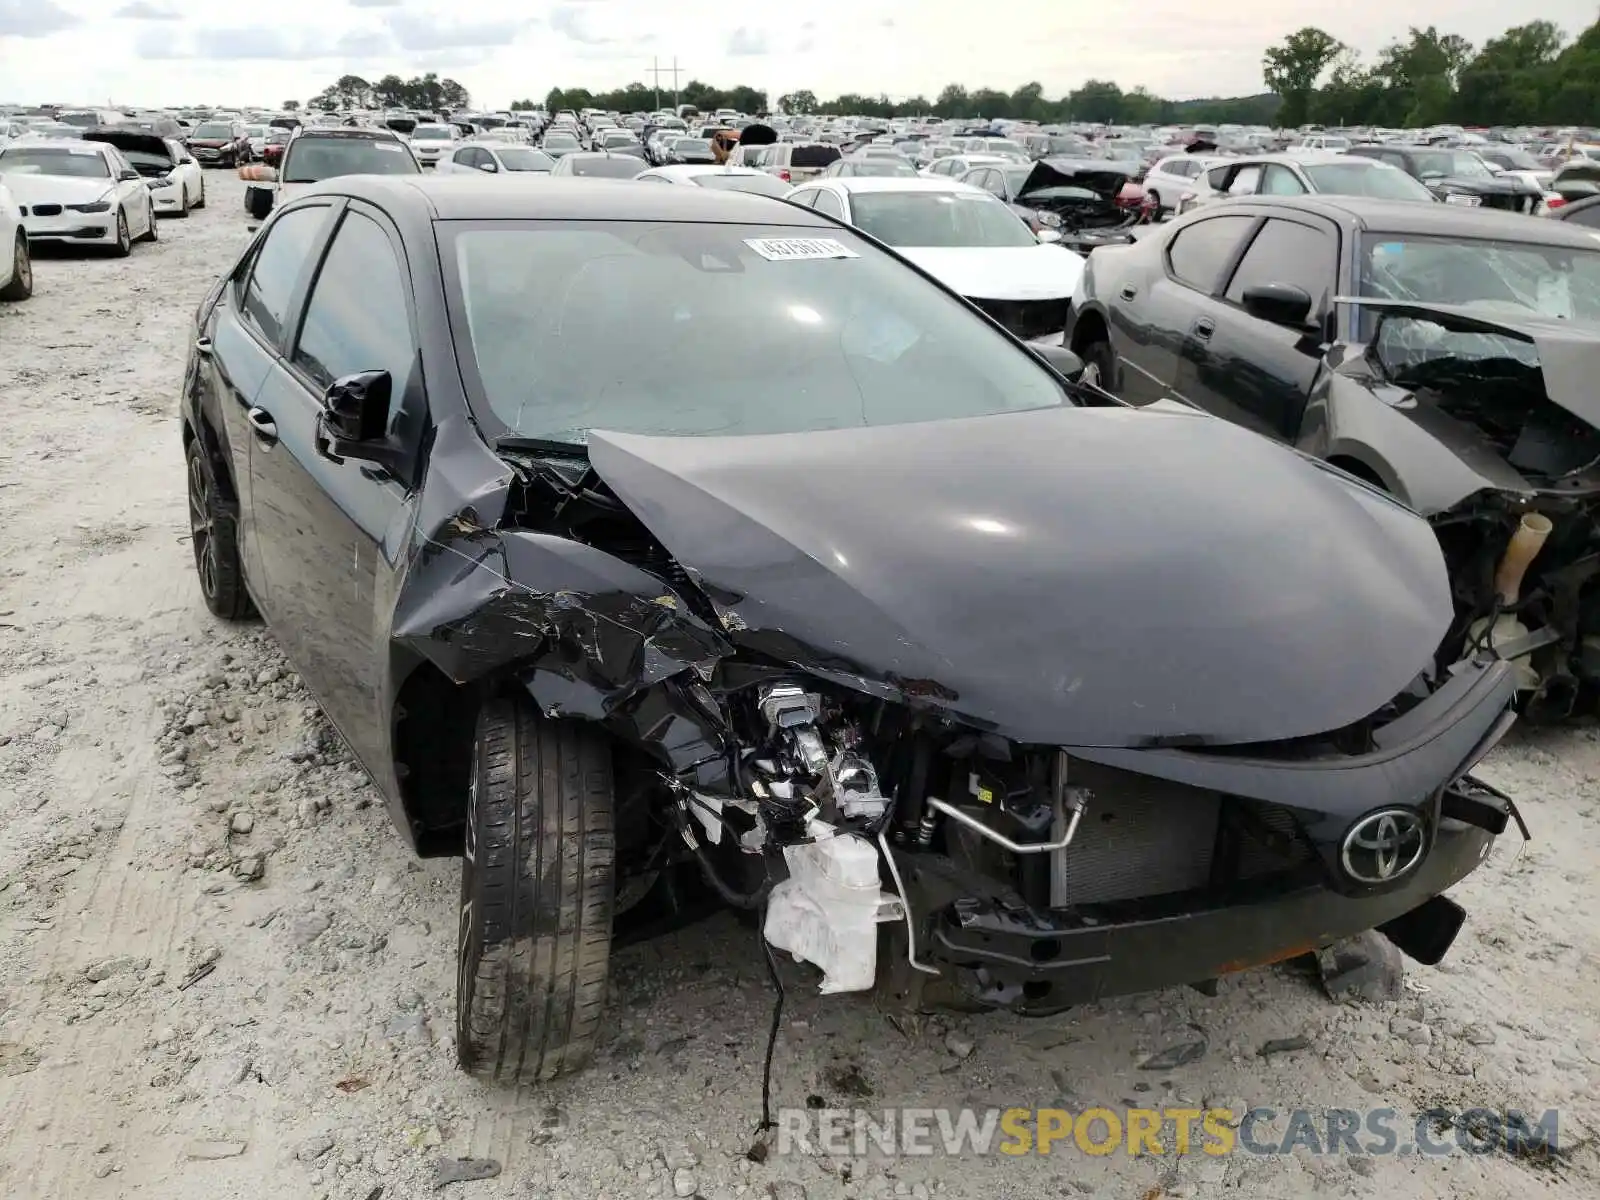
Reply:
x=1060, y=360
x=489, y=167
x=1280, y=303
x=126, y=175
x=355, y=421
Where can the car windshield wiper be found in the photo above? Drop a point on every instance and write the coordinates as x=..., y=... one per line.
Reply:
x=534, y=445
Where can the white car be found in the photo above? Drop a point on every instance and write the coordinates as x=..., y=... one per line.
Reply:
x=16, y=266
x=967, y=239
x=495, y=158
x=430, y=143
x=726, y=179
x=953, y=166
x=258, y=140
x=82, y=193
x=174, y=178
x=1172, y=176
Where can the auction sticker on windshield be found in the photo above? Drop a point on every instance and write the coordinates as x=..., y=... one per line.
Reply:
x=794, y=249
x=387, y=145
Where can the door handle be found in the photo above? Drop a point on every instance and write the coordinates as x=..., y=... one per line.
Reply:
x=202, y=347
x=262, y=424
x=1203, y=329
x=1129, y=291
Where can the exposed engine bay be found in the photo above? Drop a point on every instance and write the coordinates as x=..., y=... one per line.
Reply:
x=1524, y=552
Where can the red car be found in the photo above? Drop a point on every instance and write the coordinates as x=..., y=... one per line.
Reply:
x=219, y=144
x=277, y=139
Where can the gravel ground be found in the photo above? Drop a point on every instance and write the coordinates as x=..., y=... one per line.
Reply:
x=219, y=966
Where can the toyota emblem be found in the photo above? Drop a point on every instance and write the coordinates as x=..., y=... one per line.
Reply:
x=1383, y=847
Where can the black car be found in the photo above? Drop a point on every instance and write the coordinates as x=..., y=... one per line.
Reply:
x=1079, y=198
x=1445, y=355
x=1584, y=213
x=219, y=144
x=1457, y=177
x=915, y=631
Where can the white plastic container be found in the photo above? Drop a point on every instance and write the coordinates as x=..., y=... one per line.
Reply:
x=827, y=911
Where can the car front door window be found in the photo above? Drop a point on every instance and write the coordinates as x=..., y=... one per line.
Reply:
x=1280, y=181
x=357, y=319
x=277, y=269
x=1200, y=252
x=1244, y=183
x=828, y=203
x=1290, y=253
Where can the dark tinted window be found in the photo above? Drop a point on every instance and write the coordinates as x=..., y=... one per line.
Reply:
x=1588, y=217
x=827, y=202
x=356, y=317
x=1287, y=252
x=277, y=268
x=1199, y=252
x=813, y=156
x=311, y=159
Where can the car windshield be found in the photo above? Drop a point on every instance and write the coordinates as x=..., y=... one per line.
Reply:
x=760, y=183
x=1355, y=178
x=691, y=146
x=559, y=141
x=876, y=167
x=81, y=120
x=838, y=333
x=431, y=133
x=939, y=219
x=1438, y=164
x=82, y=164
x=213, y=129
x=255, y=131
x=1556, y=281
x=605, y=167
x=1514, y=160
x=313, y=159
x=518, y=158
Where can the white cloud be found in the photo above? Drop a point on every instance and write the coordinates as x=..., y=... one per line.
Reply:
x=502, y=49
x=140, y=10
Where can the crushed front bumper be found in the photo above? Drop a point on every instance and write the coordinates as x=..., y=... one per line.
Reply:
x=1205, y=864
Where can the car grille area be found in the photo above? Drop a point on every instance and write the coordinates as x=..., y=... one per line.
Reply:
x=45, y=210
x=1028, y=318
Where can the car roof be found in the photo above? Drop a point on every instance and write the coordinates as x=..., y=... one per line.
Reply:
x=1421, y=219
x=470, y=198
x=1291, y=157
x=692, y=170
x=894, y=183
x=367, y=132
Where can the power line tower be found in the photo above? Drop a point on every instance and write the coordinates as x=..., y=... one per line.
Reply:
x=657, y=71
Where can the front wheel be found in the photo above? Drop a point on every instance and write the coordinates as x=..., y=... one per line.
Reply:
x=150, y=234
x=214, y=536
x=537, y=894
x=21, y=285
x=124, y=243
x=1156, y=208
x=1099, y=365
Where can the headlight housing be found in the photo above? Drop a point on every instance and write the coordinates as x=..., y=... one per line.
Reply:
x=99, y=206
x=1045, y=220
x=1463, y=199
x=160, y=181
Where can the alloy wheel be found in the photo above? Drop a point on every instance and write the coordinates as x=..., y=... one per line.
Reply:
x=200, y=521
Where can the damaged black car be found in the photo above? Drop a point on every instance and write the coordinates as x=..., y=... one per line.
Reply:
x=1089, y=202
x=1445, y=356
x=820, y=591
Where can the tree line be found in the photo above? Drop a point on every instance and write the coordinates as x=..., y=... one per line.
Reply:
x=1529, y=75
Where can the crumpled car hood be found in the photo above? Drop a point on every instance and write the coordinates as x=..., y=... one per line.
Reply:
x=1102, y=177
x=1090, y=577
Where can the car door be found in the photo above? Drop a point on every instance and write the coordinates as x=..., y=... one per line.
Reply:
x=243, y=335
x=331, y=531
x=1252, y=371
x=1151, y=314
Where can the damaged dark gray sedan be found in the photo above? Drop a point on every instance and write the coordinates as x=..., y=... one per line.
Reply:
x=639, y=538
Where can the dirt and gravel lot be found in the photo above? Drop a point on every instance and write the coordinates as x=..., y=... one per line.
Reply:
x=221, y=975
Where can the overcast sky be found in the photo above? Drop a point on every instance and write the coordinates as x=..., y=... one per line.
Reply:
x=167, y=52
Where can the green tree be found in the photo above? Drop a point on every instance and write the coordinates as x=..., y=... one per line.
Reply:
x=953, y=101
x=1292, y=70
x=291, y=106
x=800, y=103
x=1028, y=103
x=1098, y=100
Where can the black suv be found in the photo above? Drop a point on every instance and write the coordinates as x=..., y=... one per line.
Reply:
x=313, y=155
x=1456, y=176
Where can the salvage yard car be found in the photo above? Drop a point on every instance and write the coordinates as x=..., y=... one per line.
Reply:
x=16, y=264
x=81, y=193
x=175, y=180
x=1446, y=355
x=914, y=638
x=313, y=155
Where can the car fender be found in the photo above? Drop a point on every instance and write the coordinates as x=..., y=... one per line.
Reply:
x=1419, y=455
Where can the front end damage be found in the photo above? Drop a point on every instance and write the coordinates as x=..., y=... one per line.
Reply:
x=1509, y=396
x=867, y=813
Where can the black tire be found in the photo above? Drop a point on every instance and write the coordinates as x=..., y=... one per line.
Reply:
x=183, y=201
x=201, y=203
x=21, y=285
x=537, y=894
x=215, y=539
x=124, y=244
x=152, y=235
x=1155, y=199
x=1100, y=364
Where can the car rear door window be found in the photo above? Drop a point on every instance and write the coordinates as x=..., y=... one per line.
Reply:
x=1292, y=253
x=356, y=318
x=827, y=202
x=1200, y=252
x=277, y=269
x=1281, y=181
x=1244, y=182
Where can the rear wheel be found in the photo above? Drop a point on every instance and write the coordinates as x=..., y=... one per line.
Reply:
x=21, y=285
x=537, y=894
x=1159, y=208
x=213, y=534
